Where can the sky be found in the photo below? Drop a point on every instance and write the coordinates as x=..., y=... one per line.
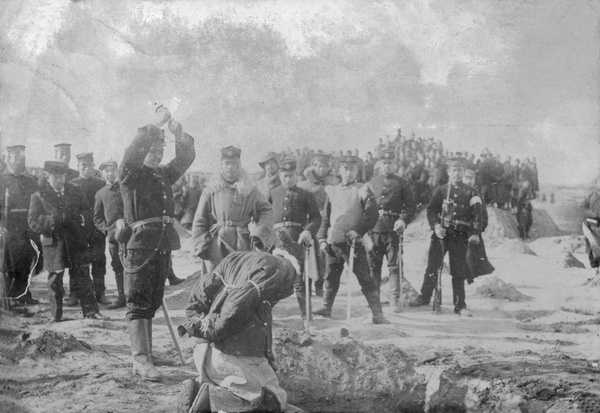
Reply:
x=517, y=77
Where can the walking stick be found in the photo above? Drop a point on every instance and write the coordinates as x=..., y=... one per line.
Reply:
x=173, y=336
x=308, y=323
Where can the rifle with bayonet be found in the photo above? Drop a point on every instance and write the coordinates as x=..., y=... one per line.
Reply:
x=446, y=217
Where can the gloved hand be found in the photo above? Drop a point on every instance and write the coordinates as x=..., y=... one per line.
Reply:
x=440, y=231
x=474, y=239
x=352, y=236
x=323, y=246
x=175, y=127
x=399, y=226
x=305, y=239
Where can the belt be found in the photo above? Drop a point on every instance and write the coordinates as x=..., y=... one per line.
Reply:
x=383, y=212
x=287, y=224
x=231, y=224
x=458, y=224
x=162, y=220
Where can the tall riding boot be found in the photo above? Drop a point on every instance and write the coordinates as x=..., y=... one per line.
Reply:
x=325, y=309
x=55, y=295
x=139, y=334
x=121, y=300
x=375, y=306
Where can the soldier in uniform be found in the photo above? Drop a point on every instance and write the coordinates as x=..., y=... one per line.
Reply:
x=16, y=188
x=62, y=153
x=318, y=178
x=149, y=235
x=270, y=181
x=349, y=212
x=227, y=205
x=296, y=213
x=89, y=185
x=524, y=210
x=396, y=204
x=108, y=209
x=591, y=226
x=58, y=211
x=465, y=226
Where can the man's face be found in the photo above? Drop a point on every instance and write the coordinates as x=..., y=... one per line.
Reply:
x=86, y=169
x=456, y=173
x=321, y=169
x=63, y=155
x=271, y=167
x=56, y=181
x=16, y=161
x=154, y=156
x=230, y=168
x=387, y=167
x=348, y=173
x=469, y=179
x=110, y=174
x=288, y=179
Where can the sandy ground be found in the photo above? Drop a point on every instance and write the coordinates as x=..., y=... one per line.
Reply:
x=533, y=351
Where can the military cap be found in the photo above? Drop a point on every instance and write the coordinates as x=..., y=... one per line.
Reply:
x=270, y=155
x=470, y=172
x=349, y=160
x=108, y=163
x=387, y=155
x=231, y=152
x=321, y=157
x=456, y=160
x=63, y=146
x=288, y=165
x=15, y=148
x=85, y=157
x=55, y=167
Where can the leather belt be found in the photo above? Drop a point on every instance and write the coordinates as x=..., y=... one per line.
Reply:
x=460, y=225
x=231, y=224
x=156, y=220
x=383, y=212
x=287, y=224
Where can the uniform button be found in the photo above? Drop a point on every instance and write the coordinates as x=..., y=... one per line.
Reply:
x=285, y=209
x=266, y=324
x=164, y=212
x=164, y=196
x=284, y=218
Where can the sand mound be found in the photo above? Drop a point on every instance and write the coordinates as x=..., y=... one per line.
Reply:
x=48, y=343
x=567, y=260
x=513, y=246
x=494, y=287
x=551, y=245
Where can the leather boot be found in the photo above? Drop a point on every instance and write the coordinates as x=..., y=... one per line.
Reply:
x=375, y=306
x=120, y=302
x=72, y=301
x=139, y=334
x=157, y=360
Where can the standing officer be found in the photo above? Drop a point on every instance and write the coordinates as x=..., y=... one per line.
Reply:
x=396, y=209
x=16, y=188
x=318, y=178
x=149, y=236
x=524, y=210
x=108, y=209
x=296, y=213
x=58, y=212
x=465, y=225
x=227, y=205
x=62, y=153
x=270, y=181
x=349, y=212
x=89, y=185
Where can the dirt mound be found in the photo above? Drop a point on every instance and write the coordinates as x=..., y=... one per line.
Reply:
x=513, y=246
x=549, y=246
x=51, y=344
x=494, y=287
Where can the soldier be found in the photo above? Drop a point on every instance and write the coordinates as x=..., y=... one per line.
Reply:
x=318, y=178
x=62, y=153
x=108, y=209
x=227, y=205
x=465, y=225
x=591, y=225
x=396, y=209
x=16, y=188
x=296, y=213
x=524, y=210
x=149, y=236
x=58, y=211
x=349, y=212
x=89, y=185
x=270, y=181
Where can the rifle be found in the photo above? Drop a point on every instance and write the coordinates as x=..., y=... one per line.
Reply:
x=447, y=210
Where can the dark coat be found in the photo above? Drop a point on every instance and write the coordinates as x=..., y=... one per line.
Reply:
x=468, y=207
x=148, y=193
x=239, y=321
x=60, y=222
x=108, y=208
x=392, y=193
x=296, y=205
x=89, y=187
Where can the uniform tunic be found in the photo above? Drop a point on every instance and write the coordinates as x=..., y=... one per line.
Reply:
x=108, y=208
x=395, y=201
x=147, y=194
x=224, y=212
x=466, y=219
x=19, y=252
x=268, y=183
x=97, y=240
